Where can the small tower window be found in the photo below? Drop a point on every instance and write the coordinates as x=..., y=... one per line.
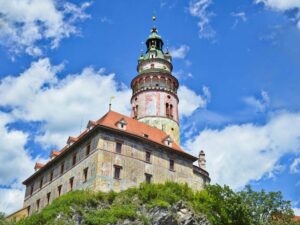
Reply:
x=152, y=65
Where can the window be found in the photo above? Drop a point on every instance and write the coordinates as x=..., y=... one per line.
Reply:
x=118, y=147
x=74, y=159
x=48, y=198
x=59, y=190
x=85, y=174
x=148, y=156
x=62, y=167
x=167, y=110
x=172, y=164
x=31, y=189
x=38, y=204
x=152, y=65
x=117, y=173
x=71, y=182
x=51, y=176
x=88, y=149
x=28, y=210
x=148, y=178
x=41, y=182
x=171, y=110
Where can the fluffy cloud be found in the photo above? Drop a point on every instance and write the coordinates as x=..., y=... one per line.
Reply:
x=26, y=23
x=15, y=165
x=65, y=105
x=37, y=95
x=199, y=9
x=180, y=52
x=283, y=5
x=11, y=200
x=238, y=154
x=190, y=101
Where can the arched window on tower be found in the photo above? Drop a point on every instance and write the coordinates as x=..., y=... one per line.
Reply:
x=167, y=110
x=171, y=110
x=135, y=111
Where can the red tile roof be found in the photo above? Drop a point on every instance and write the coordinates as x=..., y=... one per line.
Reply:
x=135, y=127
x=54, y=153
x=38, y=166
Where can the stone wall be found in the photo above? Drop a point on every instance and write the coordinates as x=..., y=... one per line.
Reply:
x=132, y=160
x=101, y=163
x=83, y=161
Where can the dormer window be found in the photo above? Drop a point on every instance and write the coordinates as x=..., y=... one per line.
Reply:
x=71, y=140
x=168, y=141
x=90, y=125
x=122, y=124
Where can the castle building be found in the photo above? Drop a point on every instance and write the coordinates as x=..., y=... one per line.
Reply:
x=117, y=152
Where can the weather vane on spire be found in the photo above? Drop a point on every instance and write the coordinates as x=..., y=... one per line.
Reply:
x=154, y=19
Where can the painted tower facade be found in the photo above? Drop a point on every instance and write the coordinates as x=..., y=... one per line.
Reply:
x=154, y=99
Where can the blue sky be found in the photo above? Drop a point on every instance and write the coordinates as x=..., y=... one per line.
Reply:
x=237, y=62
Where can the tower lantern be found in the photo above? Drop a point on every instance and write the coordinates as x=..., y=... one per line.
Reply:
x=154, y=99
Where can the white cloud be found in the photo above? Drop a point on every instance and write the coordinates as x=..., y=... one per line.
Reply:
x=180, y=52
x=37, y=95
x=294, y=168
x=238, y=154
x=261, y=103
x=26, y=23
x=11, y=200
x=282, y=5
x=190, y=101
x=16, y=164
x=199, y=9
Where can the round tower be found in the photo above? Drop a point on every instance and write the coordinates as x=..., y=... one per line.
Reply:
x=154, y=99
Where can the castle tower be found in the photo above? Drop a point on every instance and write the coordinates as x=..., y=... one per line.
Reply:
x=154, y=99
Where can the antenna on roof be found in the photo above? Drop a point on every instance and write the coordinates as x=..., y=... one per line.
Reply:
x=110, y=101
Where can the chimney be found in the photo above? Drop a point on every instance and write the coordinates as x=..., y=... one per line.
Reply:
x=202, y=160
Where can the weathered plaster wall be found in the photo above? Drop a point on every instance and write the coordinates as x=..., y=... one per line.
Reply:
x=100, y=164
x=76, y=171
x=134, y=166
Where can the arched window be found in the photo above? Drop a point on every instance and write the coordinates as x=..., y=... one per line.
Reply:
x=167, y=110
x=171, y=110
